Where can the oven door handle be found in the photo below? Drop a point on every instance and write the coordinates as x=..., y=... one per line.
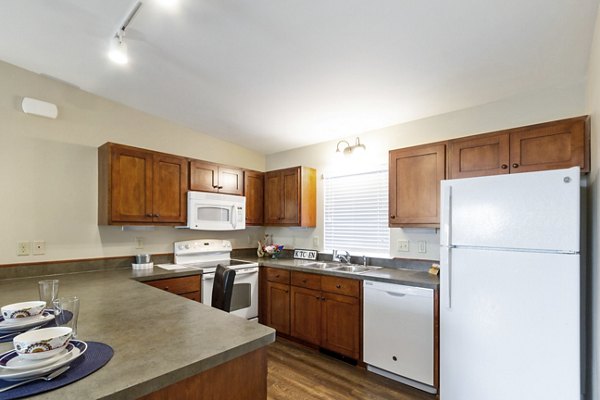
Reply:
x=246, y=271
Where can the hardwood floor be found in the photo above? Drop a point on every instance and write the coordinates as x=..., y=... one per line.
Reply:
x=296, y=372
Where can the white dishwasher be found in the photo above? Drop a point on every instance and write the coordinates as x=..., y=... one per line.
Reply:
x=398, y=325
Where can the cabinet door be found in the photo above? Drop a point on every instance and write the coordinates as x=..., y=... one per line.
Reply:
x=278, y=307
x=415, y=174
x=341, y=324
x=553, y=145
x=479, y=156
x=170, y=188
x=131, y=185
x=306, y=314
x=273, y=197
x=291, y=196
x=231, y=181
x=254, y=191
x=204, y=176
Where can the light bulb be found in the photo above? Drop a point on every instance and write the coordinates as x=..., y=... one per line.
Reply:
x=118, y=51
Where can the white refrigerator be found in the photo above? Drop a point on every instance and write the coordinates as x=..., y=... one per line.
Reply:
x=510, y=321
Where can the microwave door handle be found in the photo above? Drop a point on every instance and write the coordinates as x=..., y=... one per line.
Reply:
x=233, y=217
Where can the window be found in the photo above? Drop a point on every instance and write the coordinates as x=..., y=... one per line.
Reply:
x=356, y=213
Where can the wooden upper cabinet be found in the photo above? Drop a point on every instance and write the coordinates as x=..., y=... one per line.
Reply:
x=254, y=184
x=290, y=197
x=552, y=145
x=210, y=177
x=414, y=185
x=479, y=156
x=137, y=186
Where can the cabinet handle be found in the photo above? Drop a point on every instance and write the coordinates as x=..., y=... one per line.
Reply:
x=392, y=216
x=318, y=297
x=515, y=165
x=157, y=215
x=504, y=166
x=338, y=286
x=215, y=186
x=286, y=291
x=219, y=187
x=323, y=298
x=167, y=288
x=277, y=276
x=304, y=280
x=149, y=215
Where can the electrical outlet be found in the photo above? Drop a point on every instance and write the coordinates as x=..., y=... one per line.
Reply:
x=139, y=242
x=403, y=245
x=422, y=246
x=39, y=248
x=23, y=248
x=315, y=241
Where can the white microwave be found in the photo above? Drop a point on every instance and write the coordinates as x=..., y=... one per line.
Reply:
x=216, y=212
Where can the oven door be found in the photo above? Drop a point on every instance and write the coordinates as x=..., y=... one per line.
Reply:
x=244, y=300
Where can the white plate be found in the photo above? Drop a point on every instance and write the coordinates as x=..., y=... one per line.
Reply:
x=12, y=360
x=6, y=326
x=79, y=347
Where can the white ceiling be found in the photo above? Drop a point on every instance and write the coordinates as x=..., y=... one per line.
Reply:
x=277, y=74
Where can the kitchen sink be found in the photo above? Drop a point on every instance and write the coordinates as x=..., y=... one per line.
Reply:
x=352, y=268
x=320, y=265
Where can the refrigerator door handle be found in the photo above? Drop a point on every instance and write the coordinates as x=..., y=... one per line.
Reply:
x=446, y=210
x=446, y=276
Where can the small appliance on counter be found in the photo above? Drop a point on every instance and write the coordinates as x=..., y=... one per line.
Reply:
x=143, y=261
x=206, y=255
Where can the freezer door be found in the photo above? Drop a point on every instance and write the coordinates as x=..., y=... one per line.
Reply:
x=512, y=331
x=535, y=210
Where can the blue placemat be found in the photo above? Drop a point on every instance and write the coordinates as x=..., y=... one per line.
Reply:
x=59, y=319
x=96, y=356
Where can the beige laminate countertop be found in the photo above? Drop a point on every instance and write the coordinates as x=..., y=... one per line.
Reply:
x=158, y=338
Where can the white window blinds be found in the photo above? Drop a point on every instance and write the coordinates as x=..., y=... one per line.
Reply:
x=356, y=213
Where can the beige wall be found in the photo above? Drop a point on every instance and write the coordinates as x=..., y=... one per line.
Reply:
x=551, y=104
x=48, y=170
x=593, y=242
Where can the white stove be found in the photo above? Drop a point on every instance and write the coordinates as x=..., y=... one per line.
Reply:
x=206, y=255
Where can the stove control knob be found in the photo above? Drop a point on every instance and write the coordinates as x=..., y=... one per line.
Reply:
x=180, y=247
x=187, y=246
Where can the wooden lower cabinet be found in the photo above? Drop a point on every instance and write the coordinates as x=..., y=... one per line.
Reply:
x=278, y=307
x=340, y=330
x=320, y=310
x=242, y=378
x=306, y=314
x=187, y=286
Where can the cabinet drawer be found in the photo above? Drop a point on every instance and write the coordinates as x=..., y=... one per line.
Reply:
x=333, y=284
x=182, y=285
x=278, y=275
x=192, y=296
x=303, y=279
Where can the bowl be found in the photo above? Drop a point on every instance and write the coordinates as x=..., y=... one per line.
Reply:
x=18, y=311
x=42, y=343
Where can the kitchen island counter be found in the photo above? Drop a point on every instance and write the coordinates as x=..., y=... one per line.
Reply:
x=159, y=339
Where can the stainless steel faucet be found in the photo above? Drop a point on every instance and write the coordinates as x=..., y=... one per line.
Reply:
x=343, y=258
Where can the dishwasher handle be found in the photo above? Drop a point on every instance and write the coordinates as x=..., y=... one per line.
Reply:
x=397, y=290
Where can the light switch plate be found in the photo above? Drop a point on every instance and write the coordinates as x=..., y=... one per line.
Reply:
x=422, y=246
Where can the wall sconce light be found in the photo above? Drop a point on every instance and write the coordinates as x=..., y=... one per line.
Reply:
x=350, y=149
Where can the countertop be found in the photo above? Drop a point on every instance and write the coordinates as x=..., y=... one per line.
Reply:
x=159, y=338
x=400, y=276
x=392, y=275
